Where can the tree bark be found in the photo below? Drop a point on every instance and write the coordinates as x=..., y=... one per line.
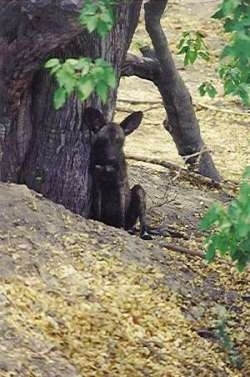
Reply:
x=46, y=149
x=158, y=66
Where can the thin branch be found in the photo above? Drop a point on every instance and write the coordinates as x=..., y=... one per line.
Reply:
x=123, y=109
x=218, y=109
x=138, y=102
x=126, y=110
x=189, y=175
x=184, y=250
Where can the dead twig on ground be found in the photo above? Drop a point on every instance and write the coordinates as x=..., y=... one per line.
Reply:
x=183, y=250
x=218, y=109
x=150, y=108
x=189, y=175
x=138, y=102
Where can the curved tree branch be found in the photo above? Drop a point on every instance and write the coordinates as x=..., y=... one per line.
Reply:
x=158, y=66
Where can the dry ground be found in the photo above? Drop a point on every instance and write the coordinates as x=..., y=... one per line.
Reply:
x=80, y=298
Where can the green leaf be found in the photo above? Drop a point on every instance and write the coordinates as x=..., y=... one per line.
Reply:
x=72, y=62
x=232, y=25
x=66, y=79
x=67, y=68
x=244, y=93
x=204, y=55
x=244, y=194
x=245, y=246
x=55, y=69
x=186, y=60
x=236, y=73
x=92, y=22
x=246, y=174
x=229, y=6
x=223, y=243
x=211, y=91
x=107, y=17
x=202, y=89
x=85, y=87
x=183, y=50
x=59, y=98
x=52, y=63
x=193, y=46
x=243, y=227
x=102, y=91
x=218, y=14
x=234, y=210
x=207, y=88
x=102, y=29
x=97, y=73
x=229, y=87
x=110, y=77
x=83, y=64
x=242, y=262
x=99, y=62
x=97, y=16
x=231, y=226
x=211, y=250
x=181, y=43
x=212, y=217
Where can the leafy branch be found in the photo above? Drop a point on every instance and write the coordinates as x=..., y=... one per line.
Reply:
x=192, y=45
x=98, y=16
x=235, y=57
x=81, y=76
x=234, y=67
x=231, y=227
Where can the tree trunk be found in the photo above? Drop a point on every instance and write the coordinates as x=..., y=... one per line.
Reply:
x=158, y=66
x=46, y=149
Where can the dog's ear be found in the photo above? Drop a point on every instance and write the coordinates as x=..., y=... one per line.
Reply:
x=132, y=122
x=94, y=119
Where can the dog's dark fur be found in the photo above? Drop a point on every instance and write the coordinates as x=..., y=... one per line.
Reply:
x=114, y=203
